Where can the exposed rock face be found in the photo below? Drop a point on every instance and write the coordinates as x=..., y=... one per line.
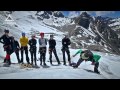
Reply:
x=46, y=14
x=84, y=20
x=94, y=33
x=107, y=34
x=105, y=38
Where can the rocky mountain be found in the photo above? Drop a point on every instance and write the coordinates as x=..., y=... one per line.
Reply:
x=47, y=14
x=84, y=20
x=95, y=33
x=53, y=18
x=115, y=25
x=85, y=31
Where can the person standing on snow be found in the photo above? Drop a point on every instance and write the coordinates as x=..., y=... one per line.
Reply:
x=52, y=44
x=65, y=43
x=15, y=48
x=6, y=40
x=42, y=48
x=33, y=49
x=87, y=55
x=24, y=47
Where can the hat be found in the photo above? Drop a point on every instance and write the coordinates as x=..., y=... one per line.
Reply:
x=23, y=33
x=42, y=33
x=6, y=31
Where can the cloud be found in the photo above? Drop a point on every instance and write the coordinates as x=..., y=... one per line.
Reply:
x=101, y=13
x=90, y=12
x=73, y=14
x=96, y=13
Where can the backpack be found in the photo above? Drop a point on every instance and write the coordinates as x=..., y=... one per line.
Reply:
x=88, y=53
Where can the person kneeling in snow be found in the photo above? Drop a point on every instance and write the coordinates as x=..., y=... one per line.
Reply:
x=87, y=55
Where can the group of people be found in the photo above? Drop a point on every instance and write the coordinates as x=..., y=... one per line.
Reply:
x=11, y=45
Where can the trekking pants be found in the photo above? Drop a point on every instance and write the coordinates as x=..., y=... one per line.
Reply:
x=26, y=53
x=68, y=54
x=55, y=53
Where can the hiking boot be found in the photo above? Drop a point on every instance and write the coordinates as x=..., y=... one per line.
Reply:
x=31, y=63
x=4, y=61
x=69, y=63
x=75, y=66
x=40, y=63
x=45, y=64
x=64, y=64
x=59, y=63
x=96, y=70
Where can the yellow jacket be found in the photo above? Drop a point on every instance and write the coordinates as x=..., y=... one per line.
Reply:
x=23, y=41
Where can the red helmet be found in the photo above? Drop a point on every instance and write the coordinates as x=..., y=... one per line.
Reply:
x=41, y=33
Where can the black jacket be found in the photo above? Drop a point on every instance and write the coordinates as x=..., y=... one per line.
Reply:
x=5, y=40
x=66, y=42
x=15, y=45
x=32, y=43
x=52, y=43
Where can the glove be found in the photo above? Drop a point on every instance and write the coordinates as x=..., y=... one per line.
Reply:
x=22, y=48
x=18, y=48
x=64, y=42
x=93, y=63
x=73, y=56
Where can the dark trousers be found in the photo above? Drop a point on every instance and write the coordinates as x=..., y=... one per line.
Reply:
x=54, y=51
x=81, y=60
x=96, y=67
x=68, y=54
x=10, y=51
x=33, y=54
x=42, y=51
x=17, y=54
x=26, y=53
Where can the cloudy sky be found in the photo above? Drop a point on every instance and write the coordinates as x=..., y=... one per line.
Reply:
x=94, y=13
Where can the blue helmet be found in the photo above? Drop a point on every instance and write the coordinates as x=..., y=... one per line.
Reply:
x=23, y=33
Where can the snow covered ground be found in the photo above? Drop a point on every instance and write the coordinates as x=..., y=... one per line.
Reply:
x=109, y=68
x=109, y=64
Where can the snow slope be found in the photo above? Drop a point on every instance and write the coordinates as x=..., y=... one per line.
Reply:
x=117, y=22
x=53, y=20
x=109, y=64
x=109, y=68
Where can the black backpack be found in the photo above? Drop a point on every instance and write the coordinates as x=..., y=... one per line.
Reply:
x=88, y=53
